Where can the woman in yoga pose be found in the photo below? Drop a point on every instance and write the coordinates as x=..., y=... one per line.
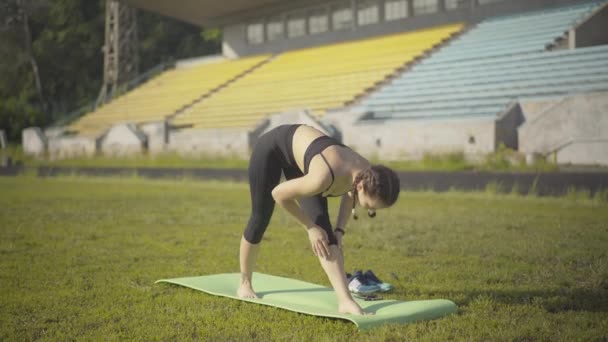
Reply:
x=315, y=166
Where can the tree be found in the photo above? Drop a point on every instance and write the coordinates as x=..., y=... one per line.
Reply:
x=16, y=44
x=163, y=39
x=50, y=53
x=51, y=61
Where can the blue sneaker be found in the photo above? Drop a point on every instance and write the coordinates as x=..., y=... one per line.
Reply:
x=372, y=279
x=359, y=285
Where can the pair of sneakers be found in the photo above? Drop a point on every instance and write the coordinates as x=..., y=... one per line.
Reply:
x=366, y=283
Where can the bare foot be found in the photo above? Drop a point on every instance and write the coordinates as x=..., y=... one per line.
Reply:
x=246, y=291
x=351, y=307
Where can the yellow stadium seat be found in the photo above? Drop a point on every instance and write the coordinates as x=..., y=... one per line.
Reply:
x=317, y=79
x=165, y=94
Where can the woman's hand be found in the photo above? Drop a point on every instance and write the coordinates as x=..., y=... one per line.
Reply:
x=319, y=242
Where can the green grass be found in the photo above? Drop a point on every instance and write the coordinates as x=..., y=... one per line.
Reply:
x=79, y=257
x=502, y=160
x=163, y=160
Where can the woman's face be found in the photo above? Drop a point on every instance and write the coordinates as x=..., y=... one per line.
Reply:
x=368, y=202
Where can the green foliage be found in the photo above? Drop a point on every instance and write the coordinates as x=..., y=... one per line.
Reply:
x=533, y=190
x=452, y=161
x=67, y=44
x=163, y=39
x=447, y=161
x=67, y=38
x=506, y=159
x=601, y=196
x=516, y=189
x=171, y=160
x=577, y=194
x=79, y=257
x=494, y=188
x=502, y=159
x=212, y=35
x=19, y=112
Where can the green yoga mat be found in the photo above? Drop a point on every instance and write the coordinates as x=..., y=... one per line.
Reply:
x=313, y=299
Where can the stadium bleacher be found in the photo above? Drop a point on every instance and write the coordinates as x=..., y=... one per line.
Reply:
x=500, y=60
x=165, y=94
x=316, y=78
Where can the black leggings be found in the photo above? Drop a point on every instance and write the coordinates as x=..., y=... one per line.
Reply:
x=272, y=154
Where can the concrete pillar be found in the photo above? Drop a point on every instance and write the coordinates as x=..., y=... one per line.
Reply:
x=572, y=39
x=3, y=142
x=4, y=159
x=122, y=140
x=34, y=142
x=157, y=134
x=592, y=31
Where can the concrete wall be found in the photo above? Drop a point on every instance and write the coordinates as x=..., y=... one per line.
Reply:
x=531, y=109
x=70, y=147
x=570, y=124
x=406, y=139
x=122, y=140
x=584, y=152
x=210, y=142
x=546, y=130
x=591, y=32
x=157, y=134
x=34, y=141
x=410, y=139
x=235, y=43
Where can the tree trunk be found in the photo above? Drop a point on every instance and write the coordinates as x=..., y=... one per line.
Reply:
x=30, y=53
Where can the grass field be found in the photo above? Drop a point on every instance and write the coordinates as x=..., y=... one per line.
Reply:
x=502, y=160
x=79, y=257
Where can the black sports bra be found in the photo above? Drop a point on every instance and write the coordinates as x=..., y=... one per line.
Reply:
x=316, y=147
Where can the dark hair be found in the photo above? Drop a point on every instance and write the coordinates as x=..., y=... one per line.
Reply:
x=378, y=181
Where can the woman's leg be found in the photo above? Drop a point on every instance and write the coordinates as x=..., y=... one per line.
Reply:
x=334, y=268
x=248, y=254
x=264, y=174
x=316, y=208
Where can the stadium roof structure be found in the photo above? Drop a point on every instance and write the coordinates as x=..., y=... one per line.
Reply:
x=219, y=13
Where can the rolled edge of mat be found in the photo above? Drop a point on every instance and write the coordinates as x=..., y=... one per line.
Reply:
x=441, y=308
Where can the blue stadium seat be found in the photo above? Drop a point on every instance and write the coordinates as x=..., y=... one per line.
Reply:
x=496, y=63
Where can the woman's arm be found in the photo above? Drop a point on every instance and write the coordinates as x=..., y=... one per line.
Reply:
x=343, y=216
x=286, y=194
x=345, y=209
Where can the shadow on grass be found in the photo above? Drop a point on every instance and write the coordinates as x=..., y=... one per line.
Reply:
x=558, y=300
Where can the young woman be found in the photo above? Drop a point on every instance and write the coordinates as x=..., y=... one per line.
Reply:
x=315, y=166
